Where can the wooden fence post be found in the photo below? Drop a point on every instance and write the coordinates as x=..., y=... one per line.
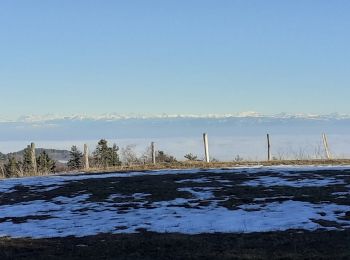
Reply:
x=326, y=147
x=33, y=157
x=206, y=147
x=153, y=150
x=86, y=157
x=2, y=171
x=268, y=148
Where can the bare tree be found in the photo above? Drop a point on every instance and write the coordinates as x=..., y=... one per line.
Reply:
x=146, y=156
x=318, y=151
x=128, y=155
x=281, y=155
x=301, y=154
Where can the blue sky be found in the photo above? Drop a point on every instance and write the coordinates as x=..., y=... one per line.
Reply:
x=174, y=56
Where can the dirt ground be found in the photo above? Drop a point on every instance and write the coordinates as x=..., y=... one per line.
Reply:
x=272, y=245
x=229, y=190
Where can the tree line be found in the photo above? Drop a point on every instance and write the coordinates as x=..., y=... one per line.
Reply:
x=28, y=165
x=104, y=156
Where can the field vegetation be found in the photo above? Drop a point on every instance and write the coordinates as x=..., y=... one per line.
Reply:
x=107, y=158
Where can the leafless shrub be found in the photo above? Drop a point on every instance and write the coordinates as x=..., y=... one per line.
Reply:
x=281, y=155
x=301, y=154
x=319, y=151
x=238, y=158
x=146, y=156
x=129, y=156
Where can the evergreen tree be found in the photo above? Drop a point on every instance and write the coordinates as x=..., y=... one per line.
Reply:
x=76, y=159
x=27, y=164
x=101, y=154
x=45, y=164
x=105, y=156
x=114, y=157
x=11, y=168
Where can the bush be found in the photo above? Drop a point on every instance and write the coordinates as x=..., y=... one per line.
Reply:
x=162, y=157
x=191, y=157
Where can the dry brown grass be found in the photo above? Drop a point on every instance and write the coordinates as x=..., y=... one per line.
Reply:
x=204, y=165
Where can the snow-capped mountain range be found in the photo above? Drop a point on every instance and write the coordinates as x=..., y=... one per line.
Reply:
x=116, y=116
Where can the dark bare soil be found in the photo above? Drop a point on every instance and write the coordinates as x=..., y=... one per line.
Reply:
x=291, y=244
x=166, y=187
x=146, y=245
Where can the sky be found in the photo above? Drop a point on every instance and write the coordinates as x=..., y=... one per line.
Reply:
x=176, y=57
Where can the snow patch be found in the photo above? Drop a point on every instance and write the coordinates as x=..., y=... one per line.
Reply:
x=76, y=217
x=268, y=181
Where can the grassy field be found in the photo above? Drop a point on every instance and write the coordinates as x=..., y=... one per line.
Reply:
x=302, y=213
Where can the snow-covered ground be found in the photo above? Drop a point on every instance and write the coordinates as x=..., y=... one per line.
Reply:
x=200, y=211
